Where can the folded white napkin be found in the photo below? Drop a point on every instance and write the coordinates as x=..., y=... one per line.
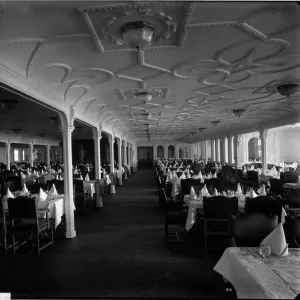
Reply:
x=216, y=192
x=273, y=170
x=188, y=175
x=239, y=189
x=53, y=190
x=259, y=171
x=252, y=168
x=262, y=190
x=24, y=190
x=215, y=175
x=42, y=195
x=276, y=239
x=80, y=178
x=23, y=175
x=60, y=178
x=182, y=176
x=204, y=191
x=87, y=178
x=9, y=194
x=193, y=194
x=252, y=194
x=208, y=176
x=200, y=175
x=42, y=172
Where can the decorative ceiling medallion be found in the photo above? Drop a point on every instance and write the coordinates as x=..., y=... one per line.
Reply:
x=272, y=86
x=144, y=94
x=105, y=23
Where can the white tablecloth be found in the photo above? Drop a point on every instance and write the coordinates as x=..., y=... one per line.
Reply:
x=56, y=207
x=279, y=279
x=291, y=186
x=89, y=187
x=193, y=205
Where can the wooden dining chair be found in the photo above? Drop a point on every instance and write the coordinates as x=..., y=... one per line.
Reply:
x=24, y=217
x=248, y=230
x=265, y=205
x=215, y=213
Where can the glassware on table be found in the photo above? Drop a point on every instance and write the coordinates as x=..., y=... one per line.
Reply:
x=264, y=251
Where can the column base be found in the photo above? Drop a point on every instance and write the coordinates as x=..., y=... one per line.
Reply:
x=70, y=234
x=99, y=203
x=112, y=189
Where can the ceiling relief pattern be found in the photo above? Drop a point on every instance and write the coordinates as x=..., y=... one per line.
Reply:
x=189, y=88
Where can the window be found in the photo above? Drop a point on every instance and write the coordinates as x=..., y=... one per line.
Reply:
x=16, y=155
x=23, y=155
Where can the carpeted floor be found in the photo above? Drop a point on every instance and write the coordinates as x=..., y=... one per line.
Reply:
x=119, y=251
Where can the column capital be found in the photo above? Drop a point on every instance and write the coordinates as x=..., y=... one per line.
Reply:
x=67, y=129
x=263, y=133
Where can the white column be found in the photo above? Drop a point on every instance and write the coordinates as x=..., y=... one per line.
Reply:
x=125, y=153
x=120, y=161
x=31, y=154
x=112, y=162
x=8, y=159
x=263, y=136
x=212, y=149
x=129, y=158
x=222, y=150
x=230, y=149
x=48, y=154
x=111, y=153
x=97, y=138
x=235, y=149
x=68, y=181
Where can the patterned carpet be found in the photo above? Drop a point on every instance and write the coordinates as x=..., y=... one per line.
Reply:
x=119, y=252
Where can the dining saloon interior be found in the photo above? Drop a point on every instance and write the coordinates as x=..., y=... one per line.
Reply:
x=149, y=149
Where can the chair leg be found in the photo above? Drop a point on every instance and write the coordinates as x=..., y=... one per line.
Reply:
x=38, y=243
x=205, y=238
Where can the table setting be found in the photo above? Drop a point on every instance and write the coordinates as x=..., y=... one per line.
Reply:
x=270, y=271
x=194, y=202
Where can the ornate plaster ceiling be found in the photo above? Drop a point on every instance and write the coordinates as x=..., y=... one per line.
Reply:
x=207, y=59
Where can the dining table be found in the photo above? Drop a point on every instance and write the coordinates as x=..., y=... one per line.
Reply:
x=56, y=207
x=277, y=278
x=196, y=205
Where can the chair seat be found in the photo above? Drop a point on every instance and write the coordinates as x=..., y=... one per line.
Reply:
x=27, y=224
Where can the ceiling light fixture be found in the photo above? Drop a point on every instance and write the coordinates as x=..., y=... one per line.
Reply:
x=238, y=112
x=202, y=129
x=9, y=104
x=288, y=89
x=138, y=34
x=215, y=123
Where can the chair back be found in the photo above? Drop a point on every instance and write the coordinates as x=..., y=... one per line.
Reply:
x=289, y=177
x=264, y=205
x=219, y=207
x=214, y=183
x=249, y=230
x=60, y=186
x=78, y=185
x=35, y=188
x=252, y=176
x=185, y=185
x=276, y=186
x=294, y=199
x=22, y=207
x=197, y=188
